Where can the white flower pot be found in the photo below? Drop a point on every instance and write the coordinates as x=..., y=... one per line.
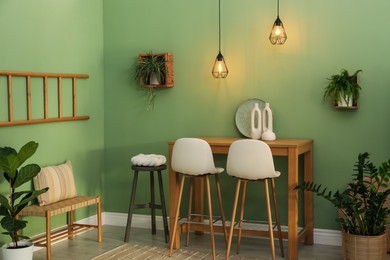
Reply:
x=23, y=253
x=345, y=103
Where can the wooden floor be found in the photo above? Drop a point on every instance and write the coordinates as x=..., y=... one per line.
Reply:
x=86, y=247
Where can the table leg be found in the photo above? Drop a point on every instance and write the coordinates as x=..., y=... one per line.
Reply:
x=199, y=201
x=173, y=192
x=292, y=204
x=308, y=197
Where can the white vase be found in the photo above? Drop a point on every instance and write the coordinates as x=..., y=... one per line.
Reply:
x=255, y=124
x=268, y=134
x=23, y=253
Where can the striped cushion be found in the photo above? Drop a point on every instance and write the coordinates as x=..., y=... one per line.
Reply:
x=60, y=181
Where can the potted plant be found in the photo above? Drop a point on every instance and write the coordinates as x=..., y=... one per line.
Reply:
x=343, y=89
x=10, y=206
x=362, y=209
x=150, y=72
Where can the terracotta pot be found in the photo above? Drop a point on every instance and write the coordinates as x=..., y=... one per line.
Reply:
x=364, y=247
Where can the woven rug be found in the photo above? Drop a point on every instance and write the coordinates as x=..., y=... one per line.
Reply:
x=141, y=252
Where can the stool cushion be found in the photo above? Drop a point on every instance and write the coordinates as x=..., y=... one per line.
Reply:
x=60, y=181
x=148, y=160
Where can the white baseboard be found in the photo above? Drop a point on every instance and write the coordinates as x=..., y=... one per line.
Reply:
x=321, y=236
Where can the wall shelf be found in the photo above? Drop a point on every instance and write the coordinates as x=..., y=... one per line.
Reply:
x=45, y=117
x=168, y=58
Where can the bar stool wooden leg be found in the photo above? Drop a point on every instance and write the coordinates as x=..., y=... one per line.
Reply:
x=189, y=210
x=176, y=220
x=221, y=208
x=243, y=196
x=130, y=213
x=232, y=219
x=277, y=216
x=271, y=231
x=210, y=216
x=163, y=207
x=152, y=202
x=99, y=219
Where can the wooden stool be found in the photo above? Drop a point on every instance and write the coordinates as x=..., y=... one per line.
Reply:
x=152, y=204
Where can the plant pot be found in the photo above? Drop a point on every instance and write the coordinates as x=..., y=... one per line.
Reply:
x=345, y=103
x=364, y=247
x=23, y=253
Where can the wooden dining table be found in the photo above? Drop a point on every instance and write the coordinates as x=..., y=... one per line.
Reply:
x=292, y=148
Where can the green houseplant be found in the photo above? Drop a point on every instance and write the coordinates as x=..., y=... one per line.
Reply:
x=150, y=72
x=10, y=164
x=362, y=209
x=343, y=88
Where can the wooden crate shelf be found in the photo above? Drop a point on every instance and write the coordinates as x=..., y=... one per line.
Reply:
x=169, y=78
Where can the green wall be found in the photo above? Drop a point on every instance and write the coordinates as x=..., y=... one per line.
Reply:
x=67, y=36
x=58, y=37
x=323, y=37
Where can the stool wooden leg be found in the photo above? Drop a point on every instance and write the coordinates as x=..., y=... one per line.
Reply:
x=189, y=210
x=48, y=235
x=176, y=219
x=163, y=207
x=221, y=208
x=210, y=216
x=152, y=202
x=130, y=213
x=271, y=231
x=243, y=196
x=70, y=224
x=99, y=219
x=232, y=219
x=277, y=216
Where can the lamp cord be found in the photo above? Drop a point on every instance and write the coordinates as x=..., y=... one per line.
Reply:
x=278, y=8
x=219, y=22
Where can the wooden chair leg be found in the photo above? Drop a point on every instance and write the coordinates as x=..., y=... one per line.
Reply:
x=189, y=210
x=48, y=235
x=163, y=207
x=210, y=216
x=176, y=220
x=271, y=231
x=277, y=216
x=99, y=219
x=232, y=219
x=221, y=208
x=152, y=203
x=131, y=207
x=243, y=196
x=70, y=224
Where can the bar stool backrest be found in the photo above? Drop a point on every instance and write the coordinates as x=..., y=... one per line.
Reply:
x=193, y=156
x=250, y=159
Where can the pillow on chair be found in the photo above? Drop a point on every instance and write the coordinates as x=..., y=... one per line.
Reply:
x=60, y=181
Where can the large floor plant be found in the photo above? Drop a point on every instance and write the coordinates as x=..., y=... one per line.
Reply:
x=11, y=205
x=362, y=203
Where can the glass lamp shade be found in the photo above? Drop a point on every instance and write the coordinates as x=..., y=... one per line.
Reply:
x=278, y=33
x=220, y=69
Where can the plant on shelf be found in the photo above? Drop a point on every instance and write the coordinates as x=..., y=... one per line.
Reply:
x=10, y=206
x=343, y=89
x=150, y=72
x=362, y=209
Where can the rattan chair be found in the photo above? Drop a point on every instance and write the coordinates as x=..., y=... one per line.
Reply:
x=192, y=158
x=251, y=161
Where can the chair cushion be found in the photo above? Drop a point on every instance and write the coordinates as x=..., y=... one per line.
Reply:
x=60, y=181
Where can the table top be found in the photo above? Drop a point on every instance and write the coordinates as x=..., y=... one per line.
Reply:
x=227, y=141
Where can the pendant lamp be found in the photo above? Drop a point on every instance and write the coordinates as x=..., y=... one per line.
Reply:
x=278, y=34
x=220, y=69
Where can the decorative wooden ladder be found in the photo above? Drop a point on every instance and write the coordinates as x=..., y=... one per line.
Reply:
x=45, y=77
